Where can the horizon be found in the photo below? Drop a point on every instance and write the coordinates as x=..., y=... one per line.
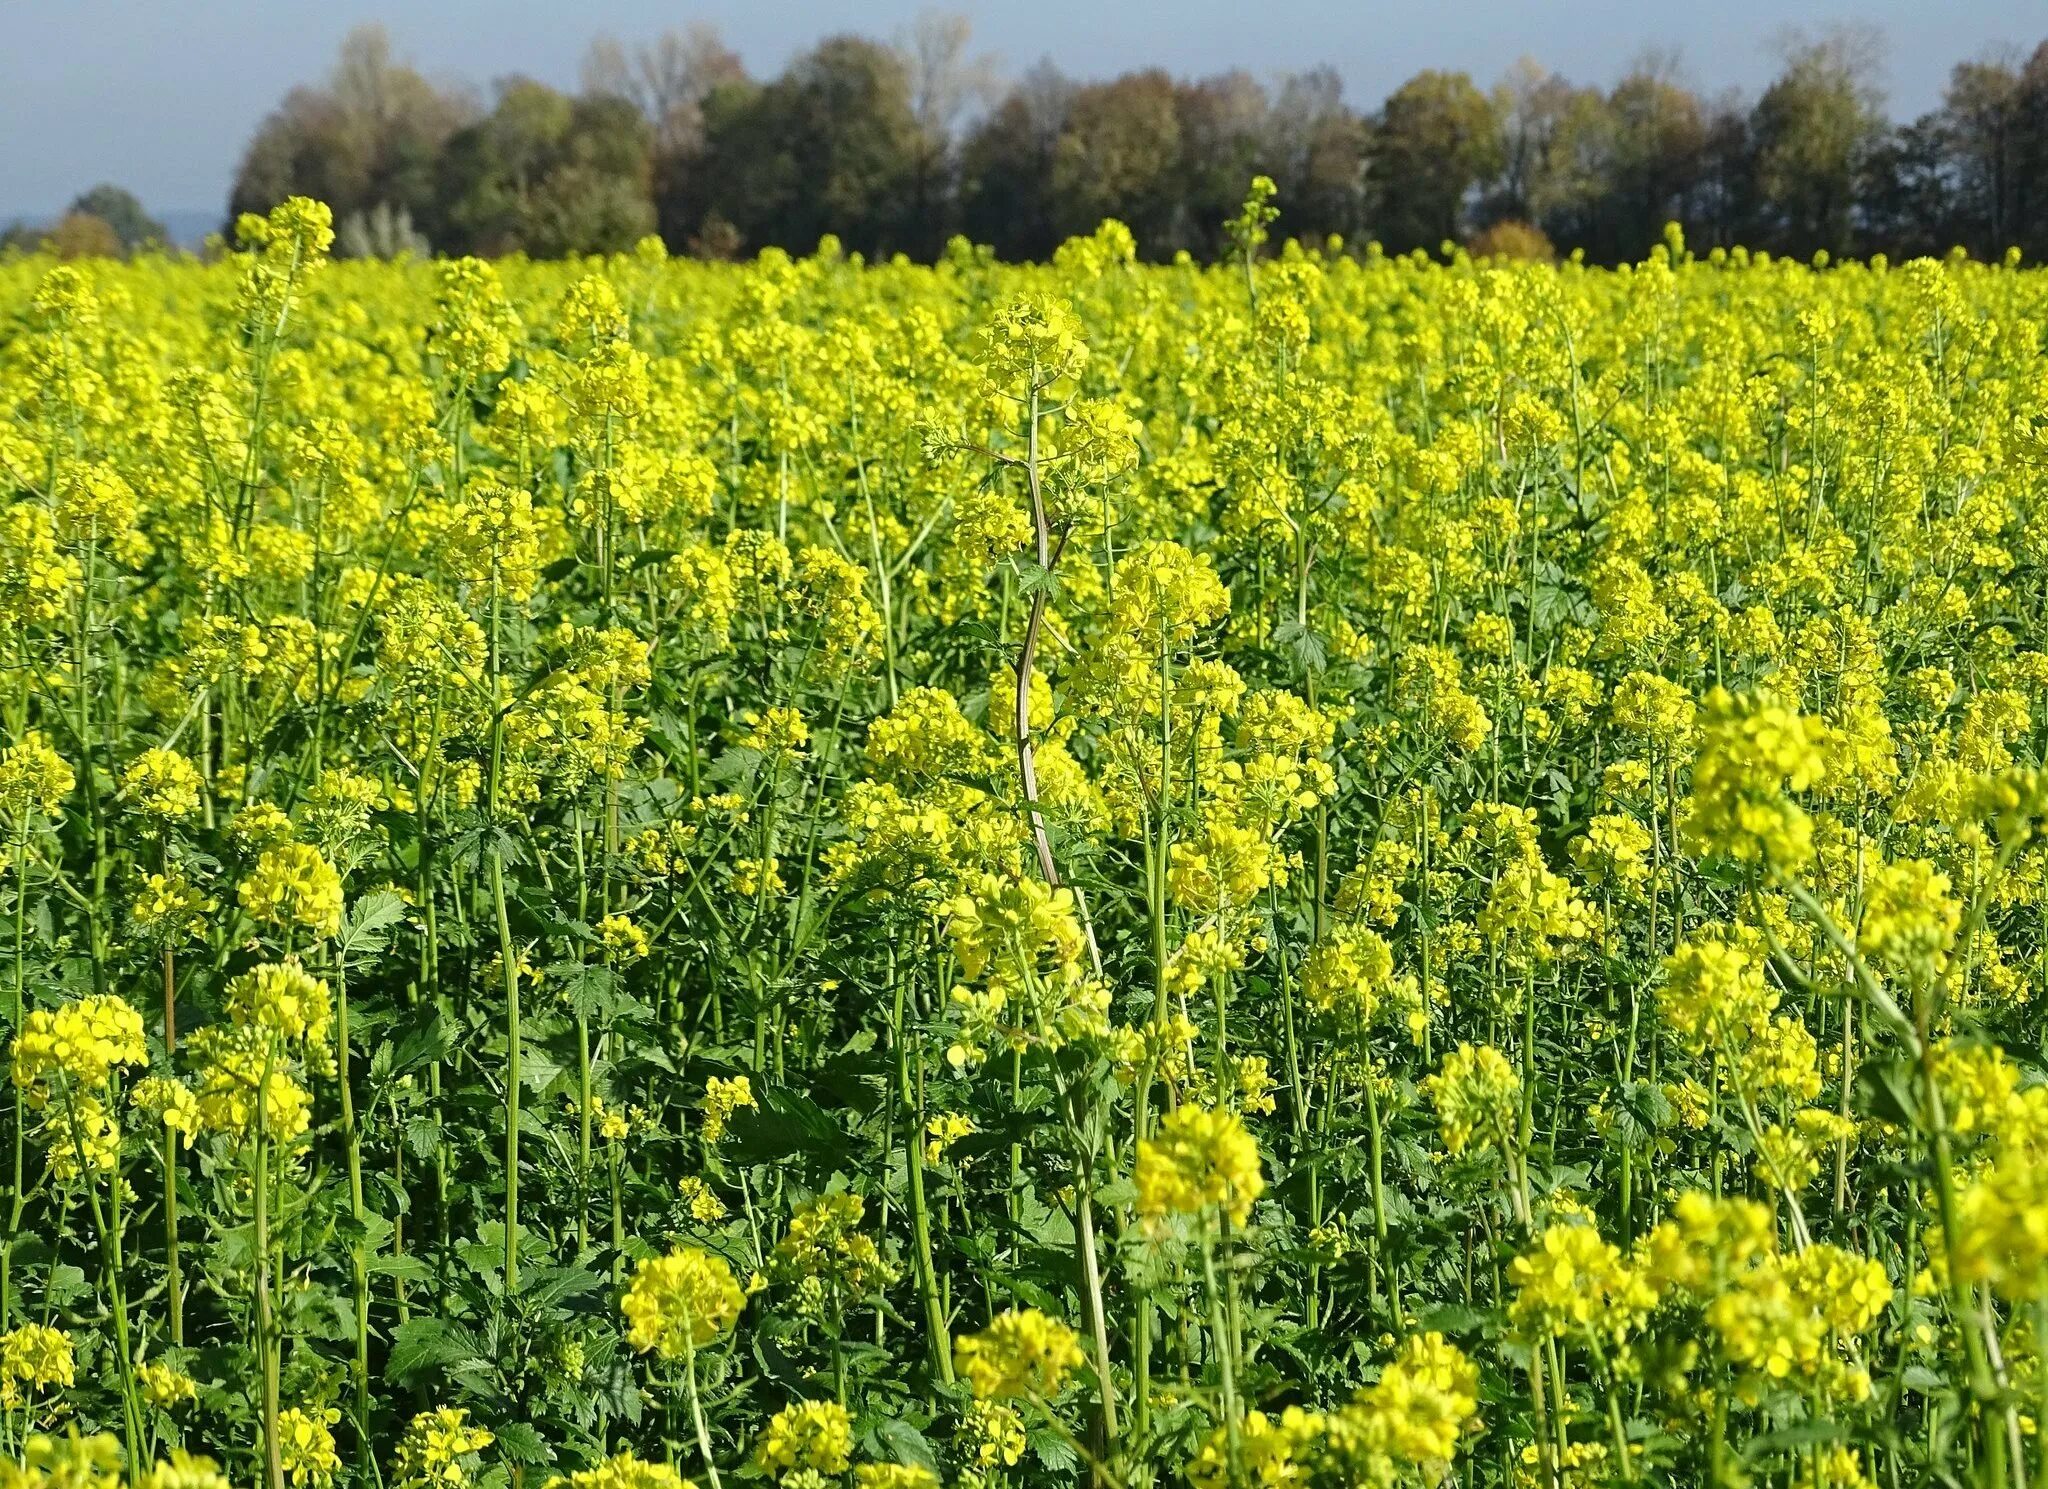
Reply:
x=108, y=111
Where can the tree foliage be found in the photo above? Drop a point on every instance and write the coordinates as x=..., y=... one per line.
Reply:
x=896, y=147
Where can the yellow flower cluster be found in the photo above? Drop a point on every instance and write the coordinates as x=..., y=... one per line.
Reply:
x=1200, y=1161
x=84, y=1041
x=810, y=1437
x=680, y=1302
x=1405, y=1428
x=724, y=1095
x=305, y=1445
x=623, y=1471
x=33, y=777
x=437, y=1447
x=1477, y=1095
x=826, y=1256
x=34, y=1359
x=294, y=888
x=1021, y=1353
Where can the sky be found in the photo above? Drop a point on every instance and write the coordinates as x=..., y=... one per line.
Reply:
x=160, y=95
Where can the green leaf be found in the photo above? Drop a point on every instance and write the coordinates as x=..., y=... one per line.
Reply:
x=907, y=1445
x=424, y=1343
x=427, y=1041
x=1054, y=1451
x=366, y=930
x=422, y=1136
x=787, y=1125
x=519, y=1443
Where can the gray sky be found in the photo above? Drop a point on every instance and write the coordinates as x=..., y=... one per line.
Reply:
x=160, y=95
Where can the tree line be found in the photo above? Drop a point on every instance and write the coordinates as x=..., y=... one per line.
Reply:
x=897, y=147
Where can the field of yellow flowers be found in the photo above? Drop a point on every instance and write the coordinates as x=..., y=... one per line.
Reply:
x=1325, y=871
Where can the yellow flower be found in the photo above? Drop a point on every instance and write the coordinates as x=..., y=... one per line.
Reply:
x=1272, y=1450
x=95, y=501
x=894, y=1476
x=33, y=777
x=1752, y=752
x=1200, y=1160
x=995, y=1431
x=680, y=1302
x=34, y=1358
x=1032, y=343
x=68, y=1462
x=294, y=888
x=1477, y=1095
x=170, y=907
x=1909, y=919
x=704, y=1207
x=166, y=1386
x=162, y=784
x=284, y=998
x=436, y=1446
x=183, y=1470
x=1021, y=1353
x=305, y=1443
x=242, y=1077
x=942, y=1130
x=824, y=1246
x=623, y=1471
x=85, y=1040
x=624, y=940
x=780, y=729
x=810, y=1436
x=1572, y=1282
x=724, y=1095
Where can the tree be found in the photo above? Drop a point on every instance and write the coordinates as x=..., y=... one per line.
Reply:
x=1658, y=143
x=831, y=146
x=1318, y=148
x=1435, y=142
x=2030, y=155
x=1534, y=107
x=1006, y=162
x=119, y=210
x=1224, y=142
x=946, y=82
x=667, y=80
x=1908, y=199
x=1119, y=156
x=1978, y=128
x=1813, y=132
x=372, y=134
x=670, y=81
x=301, y=149
x=547, y=175
x=81, y=235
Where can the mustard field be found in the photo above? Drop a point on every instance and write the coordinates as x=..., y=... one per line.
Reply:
x=1323, y=871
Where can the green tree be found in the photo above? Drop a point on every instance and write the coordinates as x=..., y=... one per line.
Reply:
x=1980, y=124
x=1656, y=139
x=373, y=133
x=1317, y=147
x=1908, y=199
x=1224, y=142
x=831, y=146
x=2030, y=156
x=547, y=174
x=1814, y=131
x=1436, y=141
x=1119, y=156
x=119, y=210
x=1006, y=165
